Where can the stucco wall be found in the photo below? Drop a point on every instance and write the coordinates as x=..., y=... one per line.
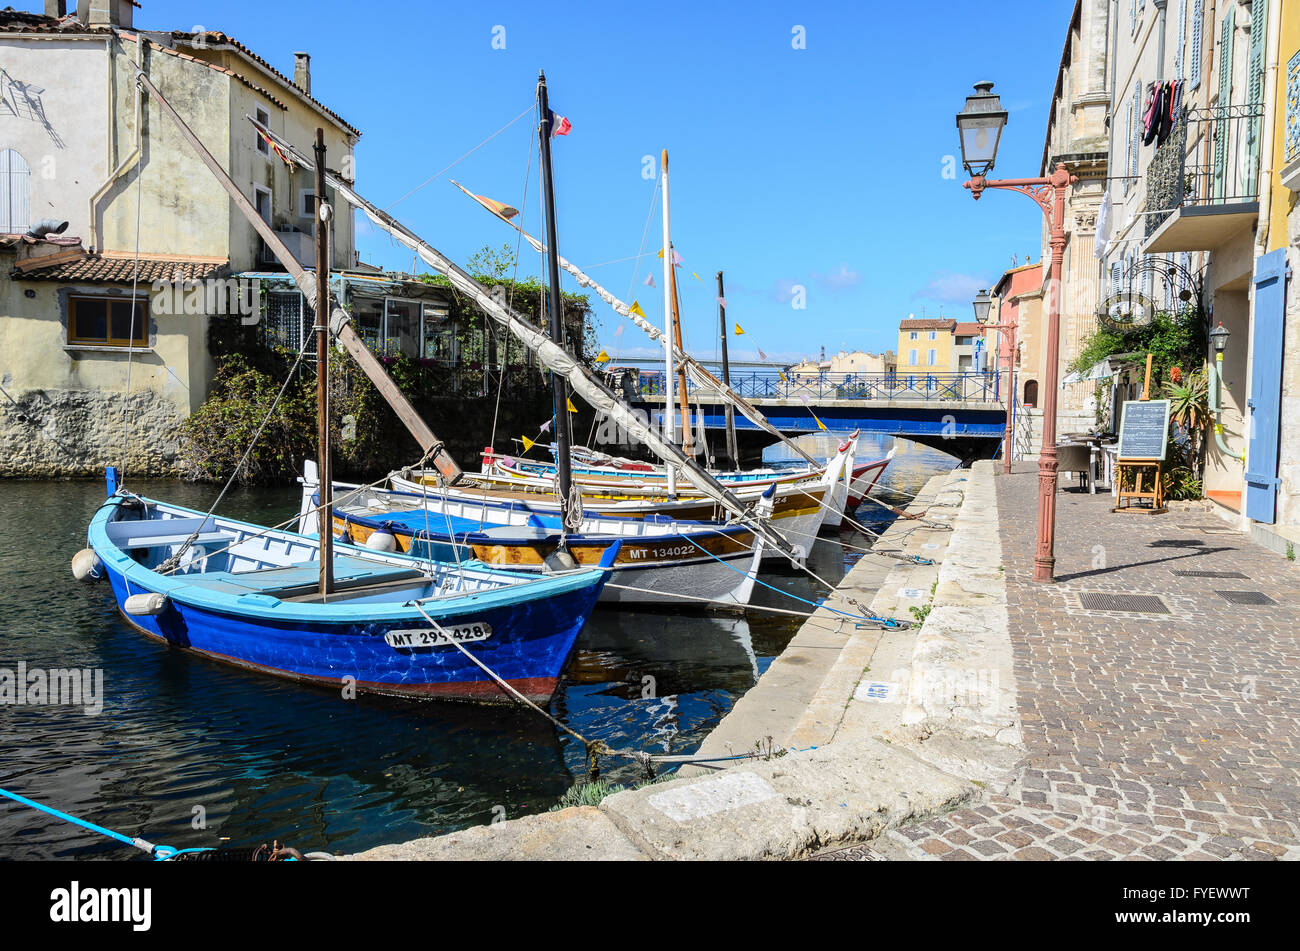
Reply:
x=72, y=397
x=67, y=153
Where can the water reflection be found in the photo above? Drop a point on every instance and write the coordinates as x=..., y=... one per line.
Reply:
x=260, y=758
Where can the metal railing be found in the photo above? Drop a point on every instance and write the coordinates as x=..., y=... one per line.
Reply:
x=1221, y=169
x=822, y=387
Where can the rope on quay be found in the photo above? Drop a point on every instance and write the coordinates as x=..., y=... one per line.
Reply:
x=594, y=748
x=165, y=853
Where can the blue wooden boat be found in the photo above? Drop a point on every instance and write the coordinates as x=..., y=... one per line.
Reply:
x=248, y=596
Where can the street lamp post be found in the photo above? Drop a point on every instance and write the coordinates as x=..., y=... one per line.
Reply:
x=980, y=126
x=983, y=304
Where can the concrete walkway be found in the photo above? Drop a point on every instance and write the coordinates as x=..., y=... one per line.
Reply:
x=1170, y=732
x=878, y=742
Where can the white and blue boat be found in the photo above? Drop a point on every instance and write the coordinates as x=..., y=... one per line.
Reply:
x=248, y=596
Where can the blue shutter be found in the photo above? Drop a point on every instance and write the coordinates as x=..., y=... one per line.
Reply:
x=1198, y=16
x=1265, y=387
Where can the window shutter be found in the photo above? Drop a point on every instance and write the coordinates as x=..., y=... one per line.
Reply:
x=1255, y=92
x=1198, y=16
x=15, y=180
x=1135, y=140
x=1225, y=100
x=1180, y=51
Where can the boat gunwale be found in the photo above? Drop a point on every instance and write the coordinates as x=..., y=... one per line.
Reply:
x=176, y=587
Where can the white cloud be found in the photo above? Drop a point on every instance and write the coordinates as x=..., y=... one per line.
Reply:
x=950, y=286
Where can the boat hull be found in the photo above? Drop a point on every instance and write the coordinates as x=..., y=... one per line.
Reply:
x=527, y=642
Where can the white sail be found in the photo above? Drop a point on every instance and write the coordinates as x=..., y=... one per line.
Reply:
x=699, y=374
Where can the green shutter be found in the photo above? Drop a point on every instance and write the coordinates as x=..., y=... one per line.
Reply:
x=1255, y=92
x=1222, y=127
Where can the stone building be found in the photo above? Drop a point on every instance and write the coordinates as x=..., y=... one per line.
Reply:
x=1186, y=203
x=925, y=345
x=117, y=246
x=1077, y=136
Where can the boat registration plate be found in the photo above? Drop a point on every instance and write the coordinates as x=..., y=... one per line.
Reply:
x=428, y=637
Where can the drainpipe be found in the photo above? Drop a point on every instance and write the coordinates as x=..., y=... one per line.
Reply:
x=1216, y=407
x=134, y=155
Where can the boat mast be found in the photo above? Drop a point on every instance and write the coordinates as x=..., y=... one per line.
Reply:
x=733, y=449
x=321, y=311
x=670, y=422
x=559, y=395
x=688, y=434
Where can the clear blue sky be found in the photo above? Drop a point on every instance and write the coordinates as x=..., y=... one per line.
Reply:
x=820, y=166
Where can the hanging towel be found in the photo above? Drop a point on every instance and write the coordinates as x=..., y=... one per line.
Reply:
x=1150, y=114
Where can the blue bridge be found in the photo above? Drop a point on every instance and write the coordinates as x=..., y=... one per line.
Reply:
x=961, y=414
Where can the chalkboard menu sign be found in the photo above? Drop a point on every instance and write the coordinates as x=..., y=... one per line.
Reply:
x=1144, y=429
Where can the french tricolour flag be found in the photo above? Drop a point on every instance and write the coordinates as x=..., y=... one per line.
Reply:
x=559, y=125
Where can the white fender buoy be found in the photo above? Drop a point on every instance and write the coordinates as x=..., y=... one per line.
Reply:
x=560, y=560
x=148, y=604
x=86, y=566
x=382, y=541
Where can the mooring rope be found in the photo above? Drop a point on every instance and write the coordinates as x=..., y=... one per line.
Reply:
x=593, y=748
x=165, y=853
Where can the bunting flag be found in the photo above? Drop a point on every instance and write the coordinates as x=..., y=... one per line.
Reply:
x=677, y=258
x=820, y=424
x=694, y=275
x=723, y=302
x=782, y=376
x=559, y=124
x=572, y=408
x=636, y=309
x=618, y=331
x=739, y=332
x=278, y=151
x=649, y=280
x=602, y=357
x=528, y=443
x=761, y=355
x=546, y=426
x=497, y=207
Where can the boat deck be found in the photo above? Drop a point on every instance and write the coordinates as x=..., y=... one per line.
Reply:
x=349, y=572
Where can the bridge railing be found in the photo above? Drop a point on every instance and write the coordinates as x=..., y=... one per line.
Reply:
x=774, y=384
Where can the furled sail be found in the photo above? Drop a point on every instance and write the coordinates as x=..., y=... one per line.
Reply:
x=697, y=372
x=558, y=360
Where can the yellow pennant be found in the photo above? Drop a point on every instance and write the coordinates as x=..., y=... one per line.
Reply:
x=528, y=443
x=782, y=376
x=574, y=409
x=820, y=424
x=602, y=357
x=636, y=309
x=694, y=275
x=739, y=332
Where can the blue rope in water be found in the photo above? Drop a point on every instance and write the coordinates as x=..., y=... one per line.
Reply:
x=889, y=622
x=159, y=852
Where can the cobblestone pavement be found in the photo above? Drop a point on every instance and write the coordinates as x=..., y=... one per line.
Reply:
x=1149, y=735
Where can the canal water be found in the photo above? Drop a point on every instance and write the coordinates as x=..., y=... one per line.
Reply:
x=191, y=753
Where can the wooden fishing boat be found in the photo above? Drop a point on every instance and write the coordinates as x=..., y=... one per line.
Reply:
x=660, y=561
x=798, y=509
x=248, y=596
x=649, y=479
x=303, y=608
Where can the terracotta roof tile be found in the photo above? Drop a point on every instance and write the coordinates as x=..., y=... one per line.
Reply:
x=121, y=269
x=970, y=328
x=927, y=324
